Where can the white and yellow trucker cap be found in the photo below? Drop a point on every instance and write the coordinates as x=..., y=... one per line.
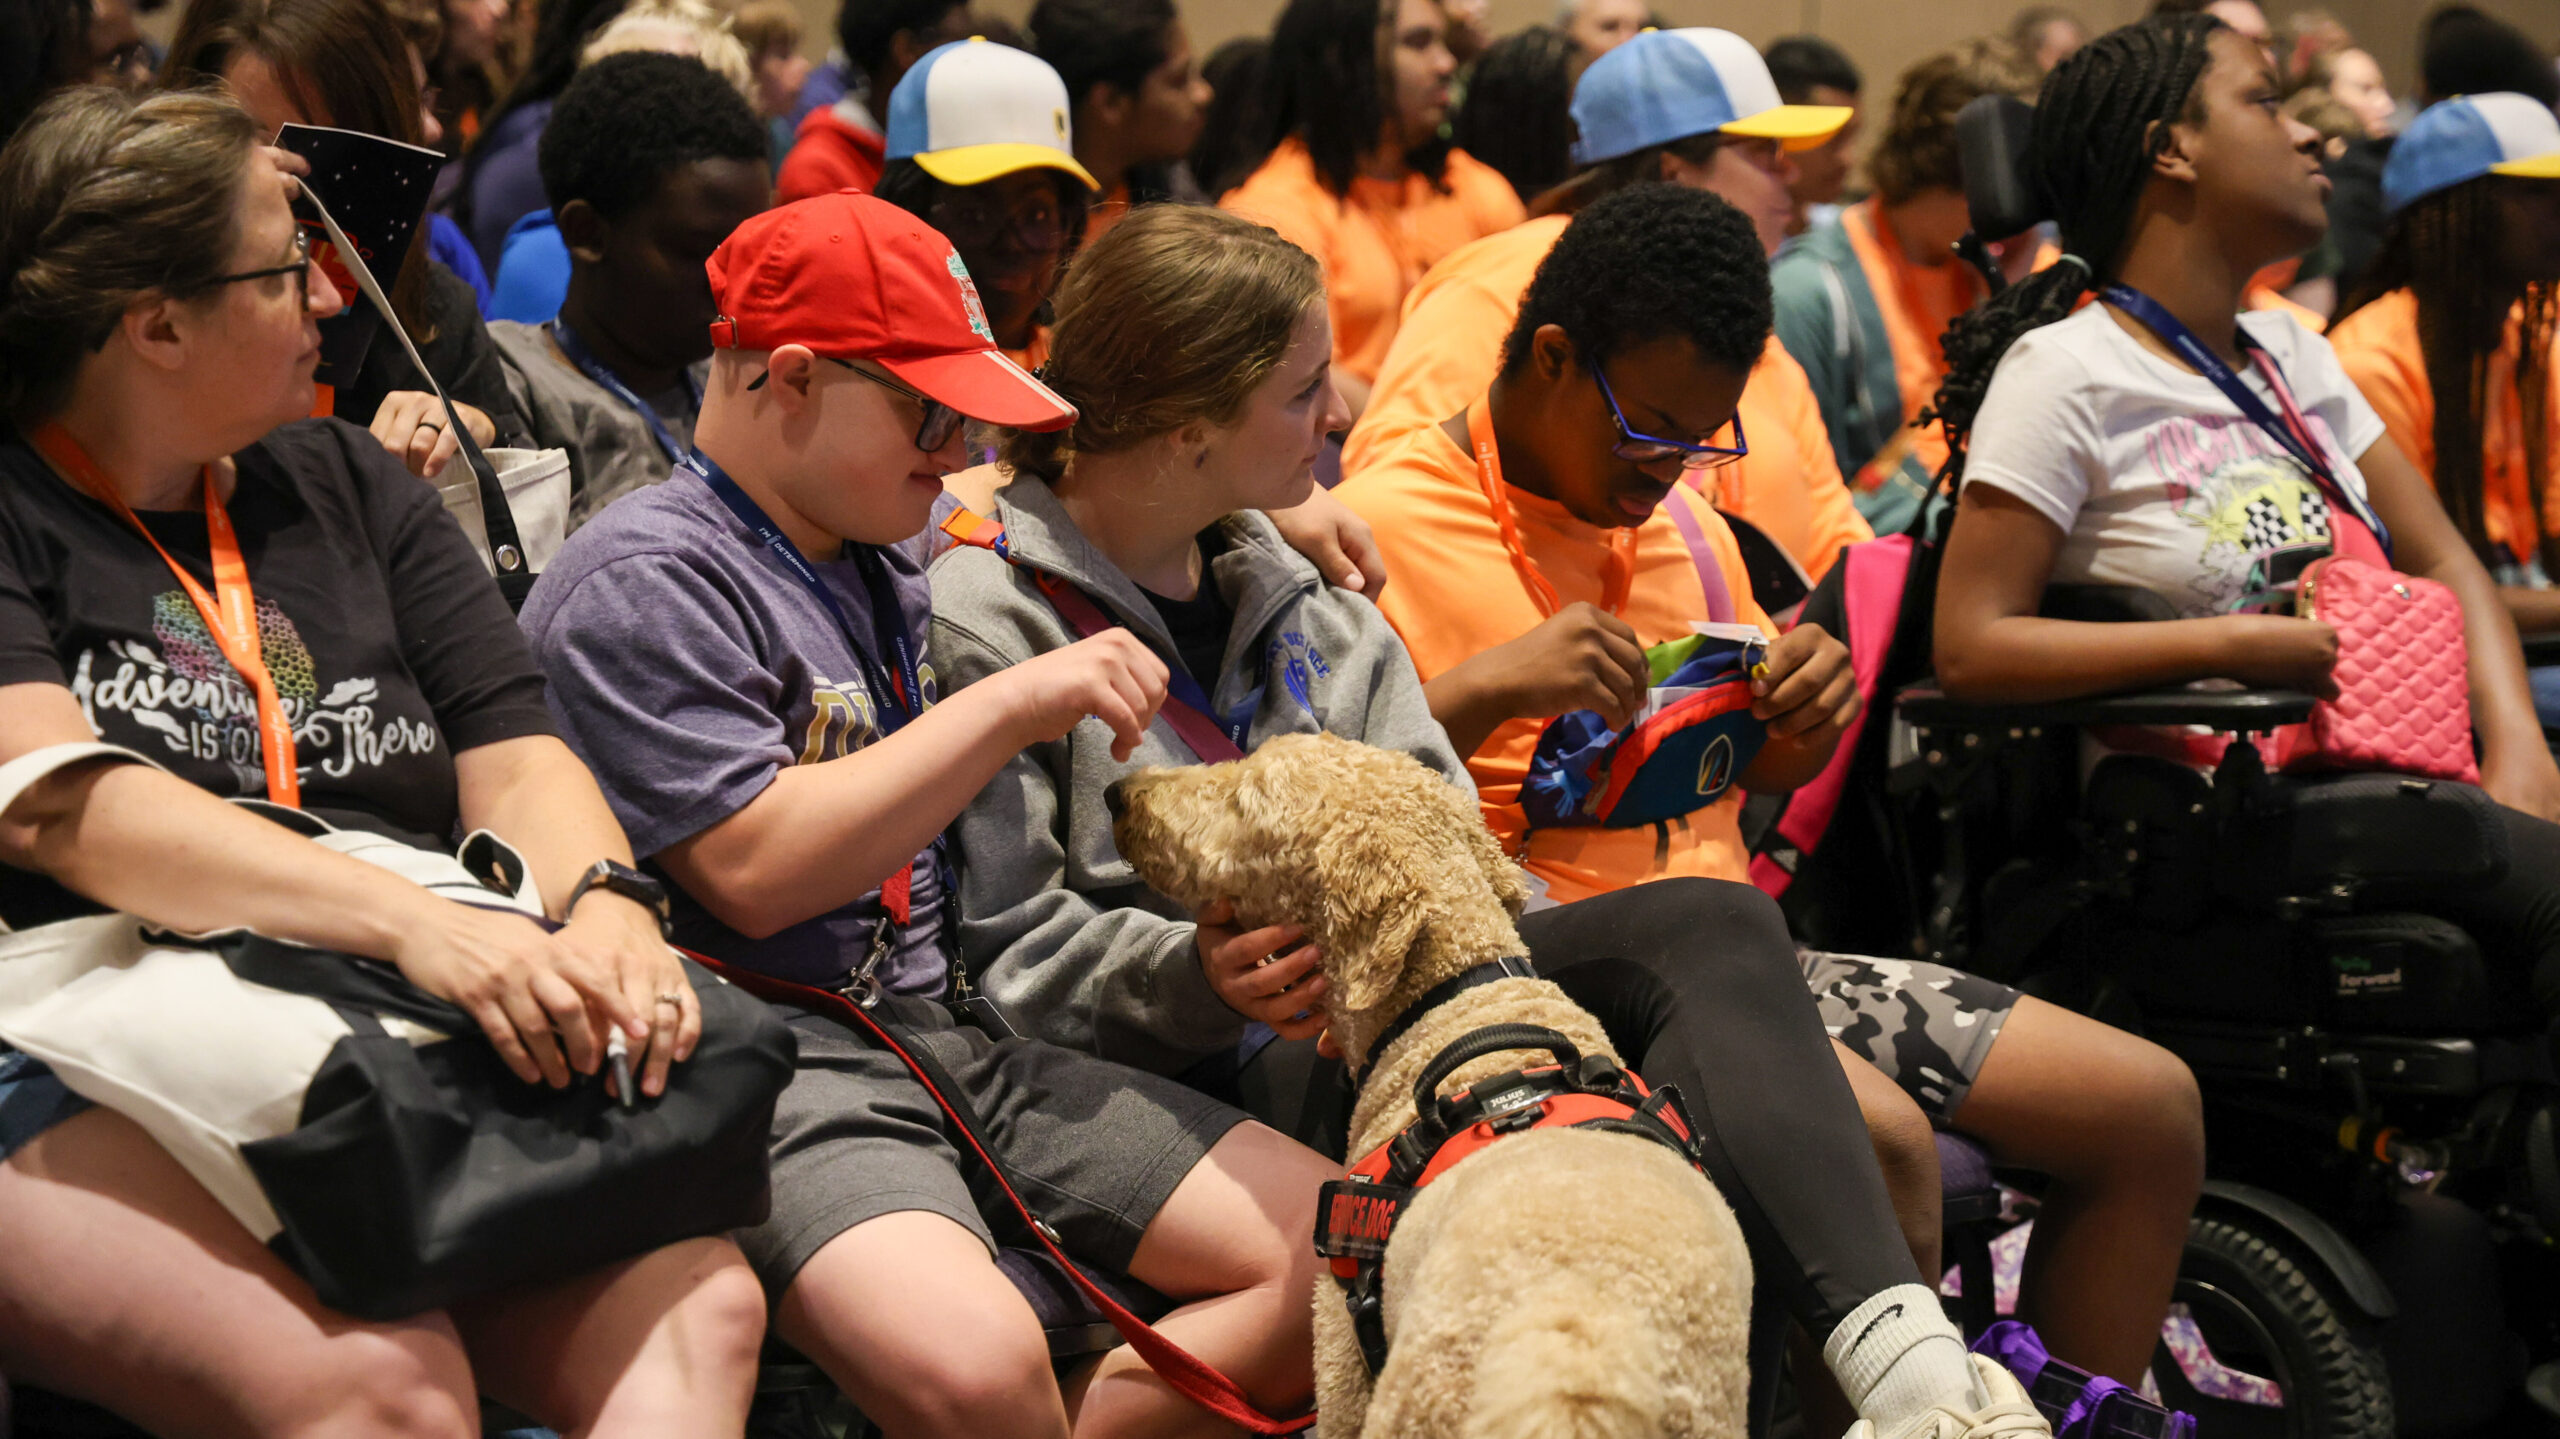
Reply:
x=972, y=111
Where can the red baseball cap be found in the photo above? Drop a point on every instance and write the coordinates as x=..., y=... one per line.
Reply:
x=854, y=277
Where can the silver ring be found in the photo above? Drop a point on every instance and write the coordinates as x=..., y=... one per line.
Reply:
x=671, y=997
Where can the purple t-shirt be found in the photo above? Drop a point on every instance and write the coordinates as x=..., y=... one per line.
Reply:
x=688, y=666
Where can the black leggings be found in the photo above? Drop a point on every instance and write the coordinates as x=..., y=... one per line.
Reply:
x=2517, y=920
x=1697, y=984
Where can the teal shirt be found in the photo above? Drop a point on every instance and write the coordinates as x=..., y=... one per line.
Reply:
x=1828, y=320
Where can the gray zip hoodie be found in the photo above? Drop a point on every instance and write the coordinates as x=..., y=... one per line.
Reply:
x=1055, y=927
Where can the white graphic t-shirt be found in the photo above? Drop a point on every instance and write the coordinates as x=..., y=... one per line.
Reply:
x=2153, y=475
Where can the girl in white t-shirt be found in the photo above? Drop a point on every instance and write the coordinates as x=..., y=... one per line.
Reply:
x=2091, y=452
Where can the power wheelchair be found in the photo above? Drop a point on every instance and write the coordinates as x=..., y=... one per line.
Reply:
x=2373, y=1254
x=2379, y=1099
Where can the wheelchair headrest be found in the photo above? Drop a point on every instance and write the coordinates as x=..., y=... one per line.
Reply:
x=1991, y=141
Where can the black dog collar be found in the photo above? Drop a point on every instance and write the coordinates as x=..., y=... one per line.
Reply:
x=1510, y=966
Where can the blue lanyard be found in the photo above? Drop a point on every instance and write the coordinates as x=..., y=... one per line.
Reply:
x=1187, y=689
x=594, y=369
x=899, y=692
x=2288, y=431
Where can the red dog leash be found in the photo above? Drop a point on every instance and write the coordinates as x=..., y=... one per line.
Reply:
x=1190, y=1376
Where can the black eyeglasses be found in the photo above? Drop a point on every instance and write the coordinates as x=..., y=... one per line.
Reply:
x=940, y=421
x=300, y=270
x=1636, y=447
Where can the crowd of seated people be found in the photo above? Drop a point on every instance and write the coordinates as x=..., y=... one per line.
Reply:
x=812, y=338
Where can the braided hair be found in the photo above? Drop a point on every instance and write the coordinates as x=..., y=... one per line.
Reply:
x=2102, y=118
x=2439, y=249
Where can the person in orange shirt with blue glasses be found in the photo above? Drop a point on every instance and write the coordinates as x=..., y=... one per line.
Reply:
x=1545, y=551
x=1690, y=107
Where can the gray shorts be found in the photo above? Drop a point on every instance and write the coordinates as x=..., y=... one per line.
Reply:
x=1096, y=1147
x=1925, y=1025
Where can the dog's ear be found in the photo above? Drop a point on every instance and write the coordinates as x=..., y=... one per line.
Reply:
x=1509, y=885
x=1374, y=910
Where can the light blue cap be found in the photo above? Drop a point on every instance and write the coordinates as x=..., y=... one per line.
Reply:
x=2464, y=138
x=1667, y=85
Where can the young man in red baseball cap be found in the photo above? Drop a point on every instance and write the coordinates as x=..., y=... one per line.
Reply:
x=740, y=653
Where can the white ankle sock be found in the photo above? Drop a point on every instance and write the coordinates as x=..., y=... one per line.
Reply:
x=1897, y=1354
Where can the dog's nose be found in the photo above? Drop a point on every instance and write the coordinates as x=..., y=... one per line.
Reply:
x=1115, y=799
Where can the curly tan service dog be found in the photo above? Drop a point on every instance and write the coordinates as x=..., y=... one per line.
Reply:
x=1559, y=1283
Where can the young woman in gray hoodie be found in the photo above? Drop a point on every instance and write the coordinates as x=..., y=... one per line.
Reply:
x=1196, y=346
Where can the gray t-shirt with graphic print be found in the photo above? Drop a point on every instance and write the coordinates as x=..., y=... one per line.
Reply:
x=688, y=667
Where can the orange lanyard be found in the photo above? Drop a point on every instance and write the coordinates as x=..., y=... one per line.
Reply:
x=1617, y=574
x=233, y=619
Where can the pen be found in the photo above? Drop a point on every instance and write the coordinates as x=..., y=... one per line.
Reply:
x=618, y=1052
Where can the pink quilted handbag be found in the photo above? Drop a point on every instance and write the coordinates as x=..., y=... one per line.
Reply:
x=2404, y=688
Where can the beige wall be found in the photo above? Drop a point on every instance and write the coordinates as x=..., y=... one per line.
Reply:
x=1882, y=36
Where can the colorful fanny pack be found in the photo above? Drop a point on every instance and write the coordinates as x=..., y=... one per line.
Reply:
x=1680, y=753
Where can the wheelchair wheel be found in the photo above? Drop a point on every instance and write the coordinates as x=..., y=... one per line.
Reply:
x=2256, y=1349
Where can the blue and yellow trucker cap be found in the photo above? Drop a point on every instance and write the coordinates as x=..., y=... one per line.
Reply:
x=2464, y=138
x=1667, y=85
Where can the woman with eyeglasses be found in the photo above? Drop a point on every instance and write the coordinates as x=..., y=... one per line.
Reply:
x=987, y=161
x=1656, y=109
x=158, y=333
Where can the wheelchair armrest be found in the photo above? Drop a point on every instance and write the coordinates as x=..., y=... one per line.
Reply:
x=2224, y=711
x=2540, y=650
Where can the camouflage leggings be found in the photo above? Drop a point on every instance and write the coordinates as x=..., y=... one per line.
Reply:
x=1925, y=1025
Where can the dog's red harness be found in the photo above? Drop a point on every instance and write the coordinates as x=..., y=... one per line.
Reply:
x=1357, y=1214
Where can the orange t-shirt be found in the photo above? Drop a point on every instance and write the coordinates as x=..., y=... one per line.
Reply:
x=1106, y=211
x=2379, y=347
x=830, y=154
x=1375, y=242
x=2266, y=291
x=1917, y=303
x=1456, y=594
x=1450, y=345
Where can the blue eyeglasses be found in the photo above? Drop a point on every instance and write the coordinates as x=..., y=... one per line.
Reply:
x=1639, y=448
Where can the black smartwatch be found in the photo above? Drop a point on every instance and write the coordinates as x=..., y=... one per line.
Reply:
x=617, y=878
